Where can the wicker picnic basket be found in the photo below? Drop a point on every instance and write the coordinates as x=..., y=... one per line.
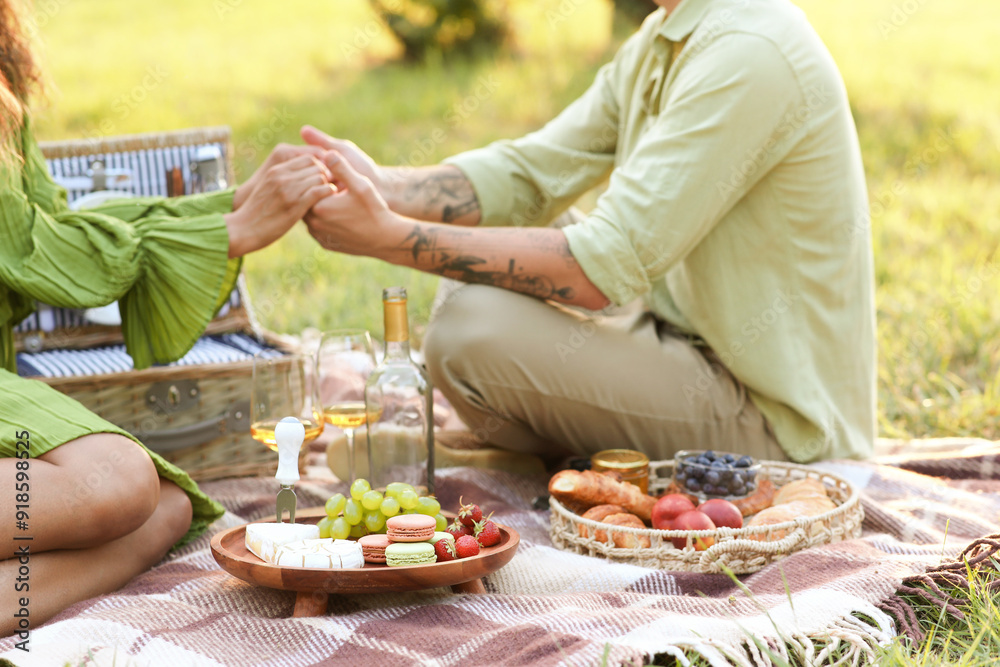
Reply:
x=733, y=549
x=196, y=415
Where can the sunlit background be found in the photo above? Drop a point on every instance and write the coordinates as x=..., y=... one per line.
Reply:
x=923, y=77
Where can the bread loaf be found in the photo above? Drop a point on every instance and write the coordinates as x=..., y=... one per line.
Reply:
x=597, y=513
x=620, y=539
x=589, y=488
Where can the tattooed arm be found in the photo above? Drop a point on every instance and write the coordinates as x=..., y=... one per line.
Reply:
x=534, y=261
x=436, y=194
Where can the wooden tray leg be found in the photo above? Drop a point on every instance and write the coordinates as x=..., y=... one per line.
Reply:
x=310, y=604
x=475, y=587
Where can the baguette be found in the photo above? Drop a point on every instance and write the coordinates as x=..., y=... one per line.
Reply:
x=589, y=488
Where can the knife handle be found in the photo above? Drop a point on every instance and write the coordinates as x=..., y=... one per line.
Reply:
x=288, y=434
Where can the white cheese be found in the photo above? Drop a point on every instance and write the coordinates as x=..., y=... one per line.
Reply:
x=320, y=553
x=263, y=539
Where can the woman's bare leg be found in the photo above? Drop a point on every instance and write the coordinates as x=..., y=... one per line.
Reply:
x=84, y=493
x=62, y=578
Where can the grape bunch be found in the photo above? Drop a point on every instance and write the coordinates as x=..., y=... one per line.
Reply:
x=366, y=510
x=716, y=474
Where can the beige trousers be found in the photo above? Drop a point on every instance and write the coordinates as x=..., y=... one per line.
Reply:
x=530, y=376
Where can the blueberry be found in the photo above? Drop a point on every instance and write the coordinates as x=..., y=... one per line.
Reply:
x=691, y=460
x=702, y=461
x=693, y=485
x=696, y=472
x=744, y=462
x=680, y=477
x=712, y=477
x=719, y=463
x=739, y=490
x=729, y=458
x=710, y=455
x=750, y=475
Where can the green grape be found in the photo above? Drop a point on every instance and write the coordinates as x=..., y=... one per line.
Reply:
x=374, y=521
x=340, y=529
x=428, y=505
x=393, y=489
x=358, y=531
x=408, y=499
x=389, y=507
x=360, y=488
x=335, y=505
x=352, y=512
x=371, y=500
x=442, y=523
x=324, y=526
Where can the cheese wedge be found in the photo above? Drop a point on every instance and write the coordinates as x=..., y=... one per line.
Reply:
x=263, y=539
x=320, y=553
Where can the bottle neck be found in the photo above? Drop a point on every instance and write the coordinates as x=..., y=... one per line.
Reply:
x=397, y=331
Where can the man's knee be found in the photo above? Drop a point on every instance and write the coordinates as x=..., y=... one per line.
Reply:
x=465, y=328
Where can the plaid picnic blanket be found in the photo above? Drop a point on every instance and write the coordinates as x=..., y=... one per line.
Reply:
x=546, y=606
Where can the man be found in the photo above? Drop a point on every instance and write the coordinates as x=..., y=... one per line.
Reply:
x=734, y=222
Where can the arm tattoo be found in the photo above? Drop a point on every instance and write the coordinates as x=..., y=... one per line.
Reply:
x=444, y=194
x=431, y=252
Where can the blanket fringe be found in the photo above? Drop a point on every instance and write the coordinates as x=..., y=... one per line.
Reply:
x=975, y=566
x=850, y=640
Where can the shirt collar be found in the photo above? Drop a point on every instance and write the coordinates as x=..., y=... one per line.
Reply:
x=683, y=20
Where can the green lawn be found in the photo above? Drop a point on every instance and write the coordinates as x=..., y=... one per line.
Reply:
x=925, y=87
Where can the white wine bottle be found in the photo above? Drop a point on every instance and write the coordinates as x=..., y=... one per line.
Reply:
x=399, y=407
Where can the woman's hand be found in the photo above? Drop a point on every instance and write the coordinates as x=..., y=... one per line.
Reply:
x=282, y=195
x=281, y=153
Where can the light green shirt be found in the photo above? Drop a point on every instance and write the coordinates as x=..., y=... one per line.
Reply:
x=736, y=207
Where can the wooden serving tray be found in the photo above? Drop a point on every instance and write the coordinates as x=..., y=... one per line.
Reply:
x=314, y=585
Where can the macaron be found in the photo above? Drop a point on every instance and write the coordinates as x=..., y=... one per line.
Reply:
x=373, y=547
x=439, y=535
x=410, y=527
x=401, y=554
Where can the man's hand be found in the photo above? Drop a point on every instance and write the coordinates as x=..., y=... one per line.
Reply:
x=357, y=158
x=281, y=153
x=282, y=195
x=355, y=218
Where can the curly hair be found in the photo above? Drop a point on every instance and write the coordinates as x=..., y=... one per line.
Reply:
x=19, y=74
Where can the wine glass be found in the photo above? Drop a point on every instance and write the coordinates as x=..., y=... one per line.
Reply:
x=344, y=360
x=284, y=385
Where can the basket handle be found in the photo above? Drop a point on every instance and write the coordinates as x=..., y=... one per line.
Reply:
x=750, y=548
x=233, y=420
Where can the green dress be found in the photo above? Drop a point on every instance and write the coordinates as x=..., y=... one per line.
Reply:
x=164, y=260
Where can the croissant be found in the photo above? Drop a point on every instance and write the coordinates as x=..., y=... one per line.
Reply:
x=589, y=488
x=620, y=539
x=597, y=513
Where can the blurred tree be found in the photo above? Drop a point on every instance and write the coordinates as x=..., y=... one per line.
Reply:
x=630, y=13
x=462, y=27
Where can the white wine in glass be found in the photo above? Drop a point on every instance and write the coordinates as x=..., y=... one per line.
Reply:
x=344, y=360
x=284, y=386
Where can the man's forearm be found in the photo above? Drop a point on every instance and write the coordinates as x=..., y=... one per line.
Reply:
x=439, y=193
x=533, y=261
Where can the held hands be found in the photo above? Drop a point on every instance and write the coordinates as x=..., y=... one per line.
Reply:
x=287, y=185
x=354, y=219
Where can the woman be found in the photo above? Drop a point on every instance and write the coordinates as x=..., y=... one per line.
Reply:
x=171, y=264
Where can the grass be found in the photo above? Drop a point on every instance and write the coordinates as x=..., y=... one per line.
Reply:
x=924, y=80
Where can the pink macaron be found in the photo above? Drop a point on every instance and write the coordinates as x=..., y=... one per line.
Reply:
x=410, y=528
x=373, y=547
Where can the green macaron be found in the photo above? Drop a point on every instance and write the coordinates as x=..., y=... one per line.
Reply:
x=401, y=554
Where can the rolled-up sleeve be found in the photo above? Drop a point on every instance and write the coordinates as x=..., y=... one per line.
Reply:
x=529, y=181
x=726, y=121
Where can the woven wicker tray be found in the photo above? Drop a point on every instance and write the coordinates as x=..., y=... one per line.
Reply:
x=733, y=548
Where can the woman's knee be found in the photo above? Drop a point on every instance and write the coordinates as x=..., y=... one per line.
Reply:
x=115, y=484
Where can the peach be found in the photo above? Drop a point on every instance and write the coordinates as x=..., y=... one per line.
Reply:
x=722, y=513
x=693, y=520
x=668, y=508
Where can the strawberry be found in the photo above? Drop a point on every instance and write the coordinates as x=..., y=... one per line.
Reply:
x=445, y=550
x=466, y=546
x=457, y=529
x=469, y=514
x=487, y=533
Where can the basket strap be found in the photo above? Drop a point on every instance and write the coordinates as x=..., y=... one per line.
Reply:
x=747, y=549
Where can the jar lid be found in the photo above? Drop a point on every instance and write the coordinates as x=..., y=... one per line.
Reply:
x=619, y=459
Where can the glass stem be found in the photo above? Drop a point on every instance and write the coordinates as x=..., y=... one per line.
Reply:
x=349, y=433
